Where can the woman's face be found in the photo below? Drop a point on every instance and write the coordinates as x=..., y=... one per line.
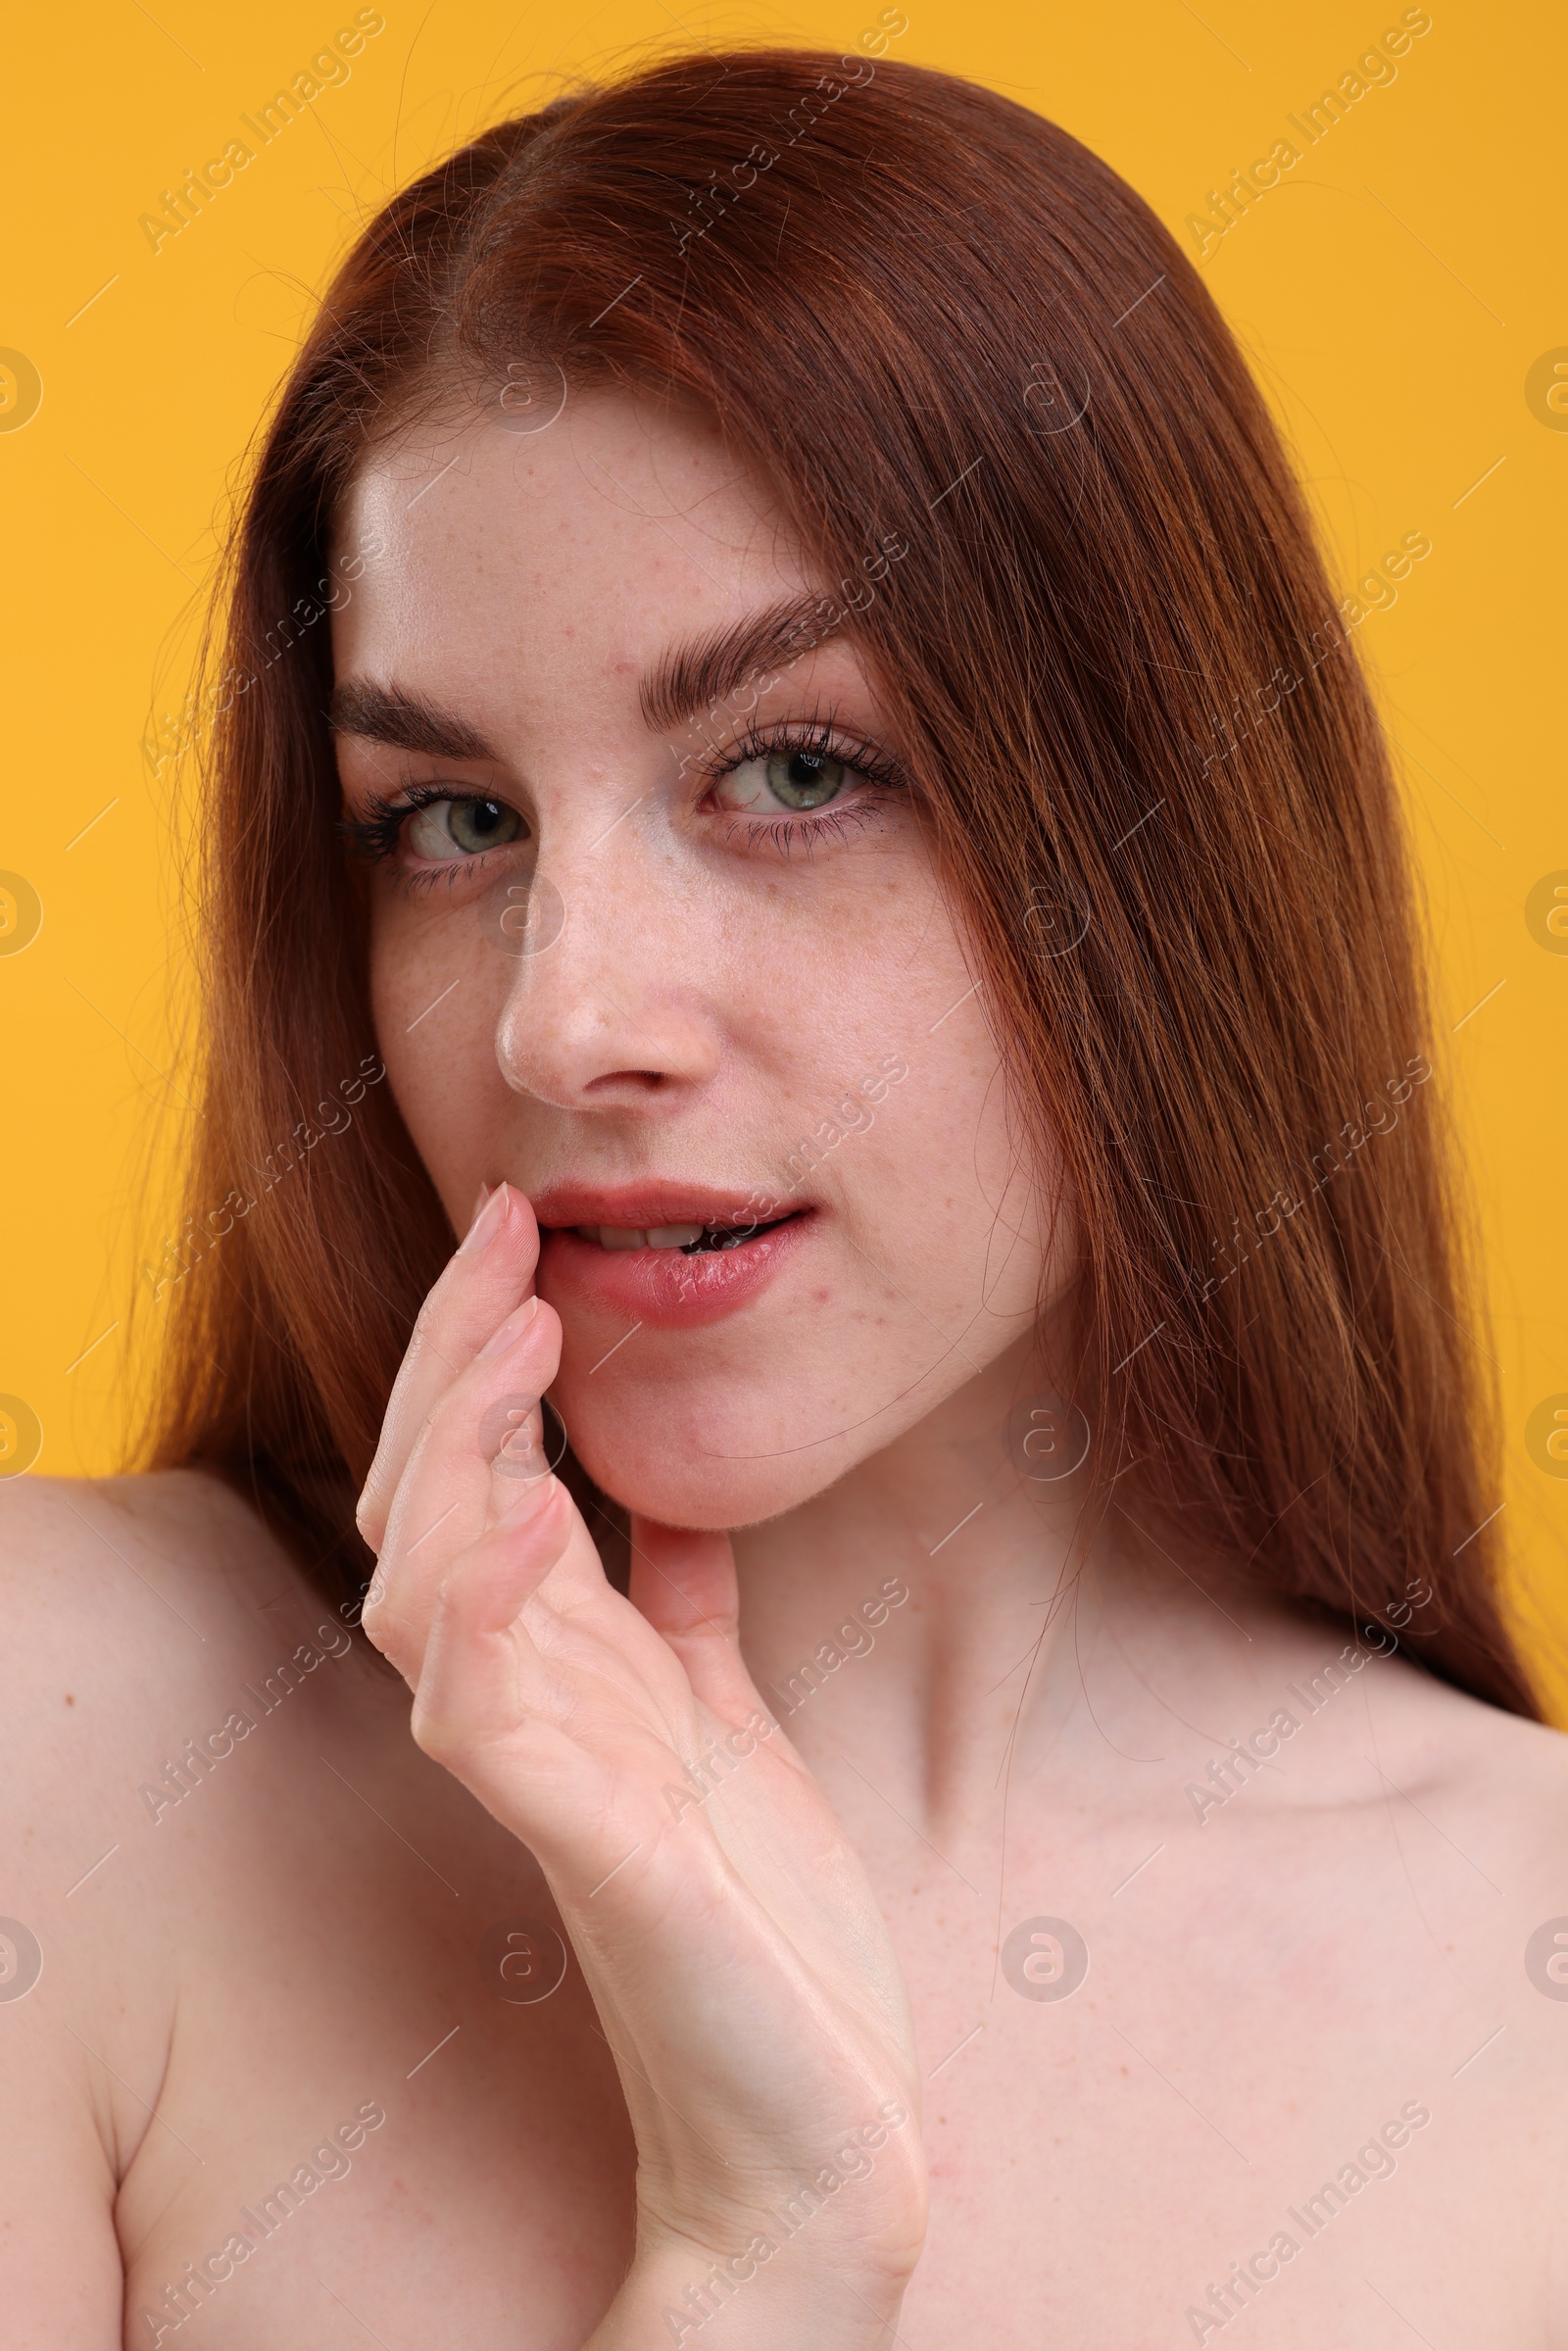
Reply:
x=656, y=936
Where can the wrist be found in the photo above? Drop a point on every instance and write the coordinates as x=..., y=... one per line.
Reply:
x=754, y=2296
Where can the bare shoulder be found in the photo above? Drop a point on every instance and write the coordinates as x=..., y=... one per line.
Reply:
x=129, y=1605
x=133, y=1607
x=1420, y=1807
x=114, y=1589
x=1440, y=1824
x=1499, y=1790
x=109, y=1588
x=135, y=1610
x=1379, y=1709
x=108, y=1536
x=1499, y=1766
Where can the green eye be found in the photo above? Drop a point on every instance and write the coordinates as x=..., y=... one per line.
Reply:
x=462, y=829
x=803, y=779
x=794, y=773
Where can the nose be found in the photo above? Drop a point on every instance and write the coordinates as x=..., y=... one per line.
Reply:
x=610, y=1012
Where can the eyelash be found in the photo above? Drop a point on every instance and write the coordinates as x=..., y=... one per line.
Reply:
x=374, y=836
x=818, y=738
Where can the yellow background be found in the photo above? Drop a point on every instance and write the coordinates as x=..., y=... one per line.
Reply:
x=1393, y=293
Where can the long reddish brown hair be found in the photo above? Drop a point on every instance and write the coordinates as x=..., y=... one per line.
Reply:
x=1149, y=762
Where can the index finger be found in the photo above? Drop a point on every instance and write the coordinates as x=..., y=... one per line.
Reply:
x=491, y=1271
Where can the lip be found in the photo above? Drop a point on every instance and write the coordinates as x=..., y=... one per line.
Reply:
x=661, y=1286
x=656, y=1200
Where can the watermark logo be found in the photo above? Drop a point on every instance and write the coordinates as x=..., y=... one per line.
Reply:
x=257, y=2222
x=521, y=1961
x=531, y=398
x=525, y=918
x=854, y=1637
x=21, y=907
x=1546, y=389
x=1057, y=917
x=202, y=1233
x=328, y=70
x=1546, y=913
x=20, y=1436
x=1048, y=1439
x=1052, y=404
x=20, y=1960
x=1547, y=1959
x=1227, y=2299
x=1547, y=1436
x=1375, y=68
x=851, y=1116
x=513, y=1438
x=1045, y=1959
x=21, y=390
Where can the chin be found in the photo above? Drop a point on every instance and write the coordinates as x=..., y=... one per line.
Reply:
x=646, y=1456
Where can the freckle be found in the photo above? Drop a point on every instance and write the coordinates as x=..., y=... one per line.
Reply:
x=69, y=1701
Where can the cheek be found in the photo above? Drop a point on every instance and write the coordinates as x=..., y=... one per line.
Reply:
x=435, y=997
x=960, y=1205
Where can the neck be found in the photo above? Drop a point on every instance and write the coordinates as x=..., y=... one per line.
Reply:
x=939, y=1615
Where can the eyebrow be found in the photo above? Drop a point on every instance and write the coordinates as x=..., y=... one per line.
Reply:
x=408, y=721
x=684, y=682
x=690, y=678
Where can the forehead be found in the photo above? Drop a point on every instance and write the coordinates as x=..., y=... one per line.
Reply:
x=625, y=518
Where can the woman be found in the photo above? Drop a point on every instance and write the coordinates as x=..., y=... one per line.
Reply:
x=785, y=769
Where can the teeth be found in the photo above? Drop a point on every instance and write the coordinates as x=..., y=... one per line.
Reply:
x=669, y=1236
x=664, y=1236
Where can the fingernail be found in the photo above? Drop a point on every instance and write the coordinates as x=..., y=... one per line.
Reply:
x=511, y=1329
x=488, y=1220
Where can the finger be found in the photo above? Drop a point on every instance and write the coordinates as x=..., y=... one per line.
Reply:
x=494, y=1710
x=683, y=1581
x=481, y=1671
x=477, y=1447
x=490, y=1273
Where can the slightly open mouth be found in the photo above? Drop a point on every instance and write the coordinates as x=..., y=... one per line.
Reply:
x=692, y=1240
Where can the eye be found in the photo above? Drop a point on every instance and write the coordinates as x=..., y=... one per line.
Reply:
x=795, y=779
x=462, y=829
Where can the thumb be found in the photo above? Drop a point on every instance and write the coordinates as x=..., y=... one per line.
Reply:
x=683, y=1581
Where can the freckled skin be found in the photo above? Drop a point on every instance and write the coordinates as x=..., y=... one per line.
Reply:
x=711, y=998
x=1015, y=1743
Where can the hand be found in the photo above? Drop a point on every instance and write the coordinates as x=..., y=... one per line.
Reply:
x=742, y=1975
